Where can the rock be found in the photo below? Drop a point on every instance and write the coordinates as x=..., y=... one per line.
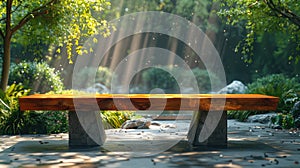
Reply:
x=168, y=126
x=261, y=118
x=136, y=124
x=295, y=111
x=155, y=123
x=234, y=87
x=276, y=126
x=297, y=122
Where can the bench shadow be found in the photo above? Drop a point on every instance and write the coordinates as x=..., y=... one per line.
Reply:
x=49, y=146
x=239, y=152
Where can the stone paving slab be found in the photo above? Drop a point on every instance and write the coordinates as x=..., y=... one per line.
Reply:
x=249, y=145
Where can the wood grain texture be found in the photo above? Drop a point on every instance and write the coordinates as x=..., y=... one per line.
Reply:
x=149, y=102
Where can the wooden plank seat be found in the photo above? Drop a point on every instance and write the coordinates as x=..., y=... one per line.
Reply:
x=208, y=125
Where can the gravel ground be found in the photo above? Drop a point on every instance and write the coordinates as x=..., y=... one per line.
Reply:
x=249, y=145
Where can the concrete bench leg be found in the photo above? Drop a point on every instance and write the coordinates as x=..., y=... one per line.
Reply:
x=201, y=120
x=86, y=129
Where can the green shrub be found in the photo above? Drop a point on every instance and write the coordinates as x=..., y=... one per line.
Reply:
x=45, y=122
x=284, y=120
x=48, y=122
x=162, y=77
x=11, y=119
x=39, y=77
x=240, y=115
x=103, y=76
x=280, y=86
x=203, y=80
x=114, y=119
x=159, y=78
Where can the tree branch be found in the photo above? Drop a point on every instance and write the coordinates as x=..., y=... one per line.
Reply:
x=34, y=13
x=2, y=34
x=3, y=19
x=281, y=11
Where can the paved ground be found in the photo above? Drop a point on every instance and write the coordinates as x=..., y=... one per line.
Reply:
x=249, y=145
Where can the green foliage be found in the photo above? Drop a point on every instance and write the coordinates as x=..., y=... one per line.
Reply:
x=195, y=10
x=280, y=86
x=159, y=78
x=204, y=80
x=59, y=22
x=63, y=23
x=14, y=121
x=102, y=75
x=45, y=122
x=284, y=120
x=170, y=79
x=129, y=6
x=11, y=119
x=271, y=52
x=39, y=77
x=114, y=119
x=259, y=17
x=240, y=115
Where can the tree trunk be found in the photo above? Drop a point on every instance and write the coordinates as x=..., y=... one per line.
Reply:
x=7, y=40
x=5, y=63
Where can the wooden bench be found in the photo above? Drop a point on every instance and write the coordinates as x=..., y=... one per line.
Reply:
x=210, y=112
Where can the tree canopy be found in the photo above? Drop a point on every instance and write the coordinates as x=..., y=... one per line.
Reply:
x=279, y=17
x=56, y=22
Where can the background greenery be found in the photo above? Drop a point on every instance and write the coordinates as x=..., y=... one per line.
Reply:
x=103, y=75
x=163, y=77
x=37, y=76
x=279, y=85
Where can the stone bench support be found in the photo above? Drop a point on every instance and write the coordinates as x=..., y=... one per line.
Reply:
x=218, y=137
x=88, y=131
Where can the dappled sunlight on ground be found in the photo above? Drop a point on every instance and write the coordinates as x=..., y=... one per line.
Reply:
x=249, y=145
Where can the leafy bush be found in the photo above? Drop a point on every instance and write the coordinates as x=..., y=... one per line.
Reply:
x=159, y=78
x=14, y=121
x=11, y=119
x=162, y=77
x=284, y=120
x=240, y=115
x=278, y=85
x=45, y=122
x=203, y=80
x=103, y=76
x=39, y=77
x=114, y=119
